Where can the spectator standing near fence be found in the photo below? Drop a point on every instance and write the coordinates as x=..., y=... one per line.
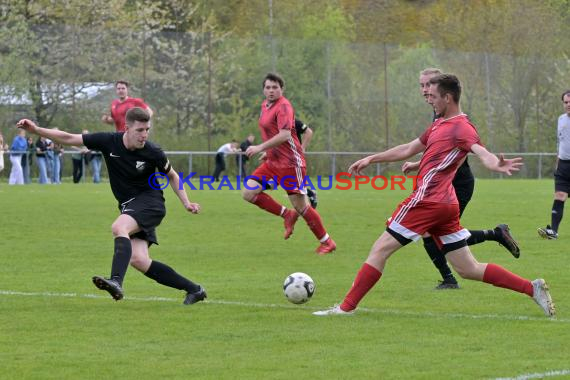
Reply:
x=27, y=160
x=41, y=160
x=2, y=149
x=56, y=162
x=17, y=150
x=230, y=147
x=95, y=163
x=77, y=158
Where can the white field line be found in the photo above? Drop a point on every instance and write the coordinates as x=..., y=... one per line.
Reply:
x=553, y=373
x=290, y=306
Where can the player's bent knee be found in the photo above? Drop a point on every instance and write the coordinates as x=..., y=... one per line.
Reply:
x=140, y=263
x=248, y=195
x=468, y=273
x=462, y=273
x=378, y=256
x=118, y=229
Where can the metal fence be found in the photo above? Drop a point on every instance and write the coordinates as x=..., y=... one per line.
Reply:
x=537, y=165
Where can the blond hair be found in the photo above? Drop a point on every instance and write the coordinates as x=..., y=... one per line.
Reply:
x=431, y=71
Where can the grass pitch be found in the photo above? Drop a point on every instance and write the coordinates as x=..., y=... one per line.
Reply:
x=55, y=325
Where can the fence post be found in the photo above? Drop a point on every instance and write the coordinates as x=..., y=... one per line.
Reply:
x=190, y=163
x=240, y=165
x=540, y=166
x=333, y=165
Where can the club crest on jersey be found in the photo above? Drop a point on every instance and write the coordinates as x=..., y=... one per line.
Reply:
x=140, y=165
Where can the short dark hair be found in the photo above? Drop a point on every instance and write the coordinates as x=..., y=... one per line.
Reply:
x=567, y=92
x=447, y=84
x=274, y=78
x=121, y=81
x=137, y=114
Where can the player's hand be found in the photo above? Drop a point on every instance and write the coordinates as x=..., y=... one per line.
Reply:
x=359, y=166
x=410, y=167
x=106, y=119
x=27, y=125
x=509, y=165
x=263, y=157
x=252, y=150
x=194, y=208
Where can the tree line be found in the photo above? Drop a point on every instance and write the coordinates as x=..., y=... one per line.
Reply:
x=350, y=66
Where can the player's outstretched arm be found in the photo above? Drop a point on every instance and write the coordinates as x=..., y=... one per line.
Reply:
x=107, y=119
x=498, y=164
x=307, y=137
x=397, y=153
x=408, y=166
x=278, y=139
x=180, y=192
x=58, y=136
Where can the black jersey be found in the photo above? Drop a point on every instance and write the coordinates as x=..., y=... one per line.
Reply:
x=129, y=170
x=463, y=175
x=300, y=129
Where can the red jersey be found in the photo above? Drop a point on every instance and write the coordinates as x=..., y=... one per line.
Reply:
x=273, y=118
x=447, y=143
x=119, y=110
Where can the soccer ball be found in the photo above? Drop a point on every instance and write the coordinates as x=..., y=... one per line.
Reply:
x=298, y=288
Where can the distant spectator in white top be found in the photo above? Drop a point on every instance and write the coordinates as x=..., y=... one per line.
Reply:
x=2, y=149
x=230, y=147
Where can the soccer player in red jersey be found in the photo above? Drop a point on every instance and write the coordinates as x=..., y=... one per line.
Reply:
x=284, y=163
x=464, y=185
x=120, y=106
x=432, y=208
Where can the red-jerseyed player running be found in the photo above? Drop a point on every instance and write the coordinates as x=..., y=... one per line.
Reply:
x=432, y=208
x=120, y=106
x=284, y=162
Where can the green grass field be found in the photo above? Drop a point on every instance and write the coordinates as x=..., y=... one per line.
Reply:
x=55, y=325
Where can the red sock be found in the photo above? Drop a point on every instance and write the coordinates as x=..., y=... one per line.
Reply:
x=267, y=203
x=366, y=278
x=499, y=276
x=314, y=222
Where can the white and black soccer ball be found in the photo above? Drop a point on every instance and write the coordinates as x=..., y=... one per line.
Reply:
x=298, y=287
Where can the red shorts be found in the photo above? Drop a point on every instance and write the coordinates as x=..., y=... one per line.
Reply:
x=290, y=179
x=412, y=219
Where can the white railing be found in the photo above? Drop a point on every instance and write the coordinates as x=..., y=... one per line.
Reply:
x=333, y=158
x=537, y=164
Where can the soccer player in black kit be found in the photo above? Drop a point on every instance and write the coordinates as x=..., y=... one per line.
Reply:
x=131, y=162
x=302, y=129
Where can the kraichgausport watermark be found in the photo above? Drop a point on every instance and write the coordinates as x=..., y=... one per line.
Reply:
x=344, y=181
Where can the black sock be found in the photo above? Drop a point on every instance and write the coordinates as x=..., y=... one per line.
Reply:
x=557, y=212
x=438, y=259
x=479, y=236
x=165, y=275
x=121, y=259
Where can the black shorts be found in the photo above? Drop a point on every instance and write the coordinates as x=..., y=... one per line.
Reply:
x=562, y=176
x=148, y=211
x=464, y=185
